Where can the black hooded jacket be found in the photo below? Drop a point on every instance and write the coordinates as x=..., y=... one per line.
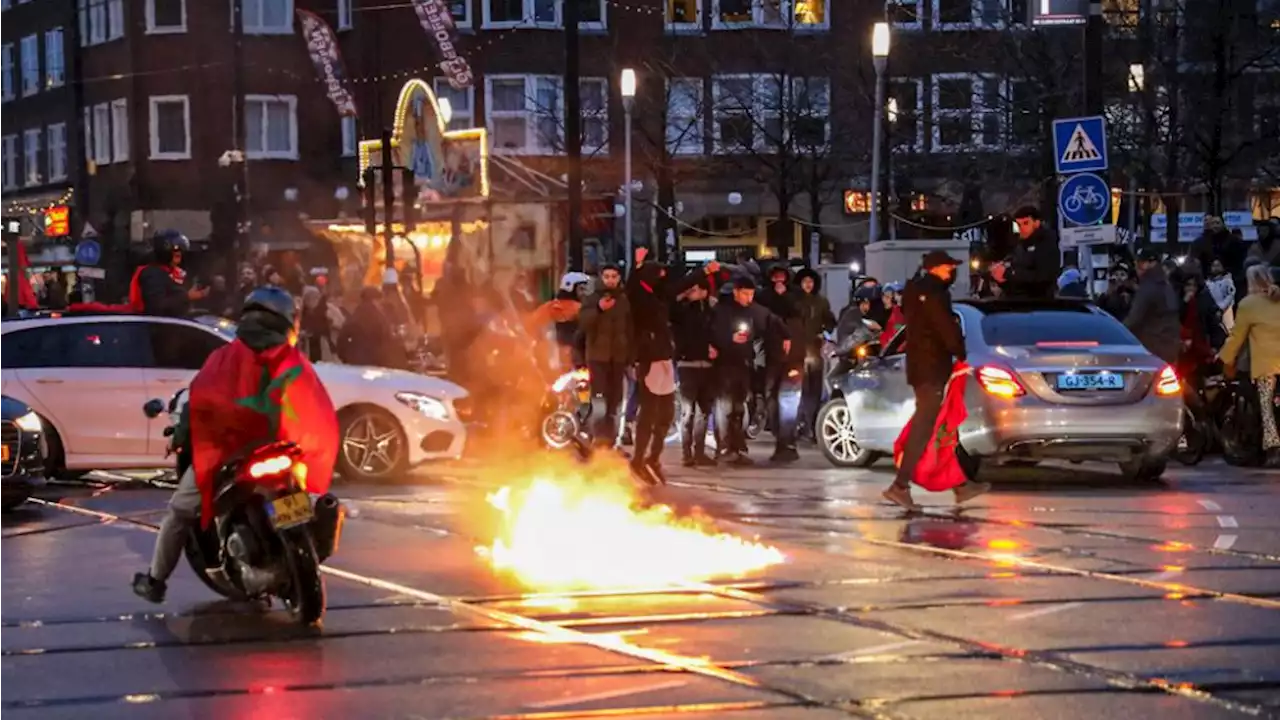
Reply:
x=691, y=323
x=815, y=312
x=651, y=290
x=161, y=295
x=1034, y=267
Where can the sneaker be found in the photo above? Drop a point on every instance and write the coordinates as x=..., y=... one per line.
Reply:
x=641, y=473
x=688, y=461
x=970, y=490
x=704, y=460
x=148, y=588
x=785, y=455
x=655, y=471
x=900, y=496
x=740, y=460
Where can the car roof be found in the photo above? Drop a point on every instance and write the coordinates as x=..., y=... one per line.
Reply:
x=58, y=318
x=994, y=306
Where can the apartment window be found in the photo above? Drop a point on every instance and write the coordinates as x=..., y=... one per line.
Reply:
x=685, y=117
x=119, y=130
x=906, y=114
x=55, y=71
x=8, y=71
x=461, y=12
x=344, y=14
x=594, y=93
x=524, y=112
x=31, y=157
x=520, y=12
x=97, y=15
x=58, y=152
x=30, y=57
x=799, y=14
x=268, y=17
x=968, y=14
x=350, y=139
x=102, y=134
x=966, y=112
x=906, y=14
x=953, y=14
x=170, y=16
x=170, y=127
x=810, y=115
x=461, y=104
x=10, y=152
x=271, y=126
x=684, y=14
x=748, y=112
x=1122, y=16
x=115, y=19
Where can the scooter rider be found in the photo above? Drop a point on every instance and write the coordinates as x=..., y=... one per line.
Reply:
x=157, y=288
x=259, y=387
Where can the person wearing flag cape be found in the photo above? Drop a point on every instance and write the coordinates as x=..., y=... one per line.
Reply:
x=259, y=388
x=935, y=368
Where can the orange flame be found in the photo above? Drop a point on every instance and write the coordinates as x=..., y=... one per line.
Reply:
x=583, y=531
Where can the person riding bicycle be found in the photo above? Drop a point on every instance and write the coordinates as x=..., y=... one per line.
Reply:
x=258, y=388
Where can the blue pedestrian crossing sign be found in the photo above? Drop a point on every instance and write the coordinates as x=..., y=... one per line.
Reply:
x=1080, y=144
x=1084, y=199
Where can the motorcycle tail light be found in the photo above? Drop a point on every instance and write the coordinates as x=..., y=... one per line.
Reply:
x=270, y=466
x=999, y=382
x=1167, y=382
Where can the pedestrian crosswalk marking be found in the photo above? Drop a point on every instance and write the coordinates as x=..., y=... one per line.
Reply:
x=1080, y=147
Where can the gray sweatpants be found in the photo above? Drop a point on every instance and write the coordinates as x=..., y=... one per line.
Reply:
x=184, y=512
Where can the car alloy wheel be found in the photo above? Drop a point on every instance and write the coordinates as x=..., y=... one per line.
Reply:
x=838, y=434
x=372, y=445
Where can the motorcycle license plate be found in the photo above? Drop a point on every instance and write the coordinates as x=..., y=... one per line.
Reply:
x=290, y=511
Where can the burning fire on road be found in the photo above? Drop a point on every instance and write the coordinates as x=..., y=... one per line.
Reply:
x=576, y=527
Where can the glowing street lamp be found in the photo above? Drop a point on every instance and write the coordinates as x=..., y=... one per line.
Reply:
x=880, y=58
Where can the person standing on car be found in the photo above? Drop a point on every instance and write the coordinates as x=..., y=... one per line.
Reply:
x=1033, y=267
x=934, y=344
x=1258, y=324
x=735, y=327
x=157, y=289
x=691, y=324
x=606, y=325
x=1154, y=315
x=816, y=318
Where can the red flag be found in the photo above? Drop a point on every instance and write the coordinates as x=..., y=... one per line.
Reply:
x=26, y=294
x=895, y=322
x=241, y=397
x=939, y=468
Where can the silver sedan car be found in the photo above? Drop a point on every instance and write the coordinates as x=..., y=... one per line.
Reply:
x=1052, y=379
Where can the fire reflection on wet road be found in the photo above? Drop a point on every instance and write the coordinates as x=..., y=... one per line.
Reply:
x=1066, y=596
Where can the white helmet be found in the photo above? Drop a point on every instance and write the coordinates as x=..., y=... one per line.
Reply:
x=572, y=280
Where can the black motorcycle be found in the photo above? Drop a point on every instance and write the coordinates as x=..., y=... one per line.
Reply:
x=267, y=539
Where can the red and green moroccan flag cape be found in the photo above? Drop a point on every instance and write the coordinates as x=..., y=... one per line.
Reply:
x=241, y=397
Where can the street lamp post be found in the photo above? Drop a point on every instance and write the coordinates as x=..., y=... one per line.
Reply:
x=628, y=102
x=891, y=109
x=880, y=57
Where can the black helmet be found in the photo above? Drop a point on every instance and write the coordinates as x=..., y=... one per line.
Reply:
x=166, y=241
x=866, y=292
x=274, y=300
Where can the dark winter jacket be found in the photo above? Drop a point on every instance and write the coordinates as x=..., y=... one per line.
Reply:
x=1034, y=267
x=729, y=318
x=608, y=332
x=815, y=313
x=368, y=339
x=691, y=324
x=651, y=290
x=160, y=294
x=934, y=340
x=1153, y=317
x=569, y=333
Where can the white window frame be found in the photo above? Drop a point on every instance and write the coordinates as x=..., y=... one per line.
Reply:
x=154, y=122
x=154, y=29
x=86, y=129
x=264, y=154
x=97, y=12
x=31, y=170
x=917, y=143
x=102, y=133
x=25, y=63
x=919, y=22
x=487, y=23
x=120, y=130
x=10, y=153
x=787, y=21
x=684, y=27
x=57, y=152
x=465, y=21
x=531, y=113
x=757, y=113
x=345, y=19
x=977, y=19
x=10, y=78
x=800, y=84
x=440, y=85
x=601, y=116
x=975, y=112
x=692, y=128
x=115, y=19
x=252, y=29
x=55, y=58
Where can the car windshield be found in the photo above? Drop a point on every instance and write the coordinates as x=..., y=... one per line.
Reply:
x=1054, y=326
x=224, y=327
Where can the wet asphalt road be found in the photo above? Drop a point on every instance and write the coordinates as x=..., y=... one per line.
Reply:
x=1063, y=594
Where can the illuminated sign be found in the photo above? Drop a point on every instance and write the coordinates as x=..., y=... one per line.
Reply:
x=57, y=221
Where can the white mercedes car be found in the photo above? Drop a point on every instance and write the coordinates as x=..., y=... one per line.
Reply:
x=88, y=376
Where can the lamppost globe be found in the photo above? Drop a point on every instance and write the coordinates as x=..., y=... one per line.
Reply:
x=628, y=83
x=880, y=40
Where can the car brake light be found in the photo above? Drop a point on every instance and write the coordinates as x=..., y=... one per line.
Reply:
x=1167, y=382
x=270, y=466
x=1067, y=343
x=999, y=382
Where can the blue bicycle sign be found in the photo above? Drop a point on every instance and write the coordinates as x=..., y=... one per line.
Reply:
x=1084, y=199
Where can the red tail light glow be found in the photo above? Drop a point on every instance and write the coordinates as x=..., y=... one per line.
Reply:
x=1067, y=343
x=1167, y=382
x=270, y=466
x=999, y=382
